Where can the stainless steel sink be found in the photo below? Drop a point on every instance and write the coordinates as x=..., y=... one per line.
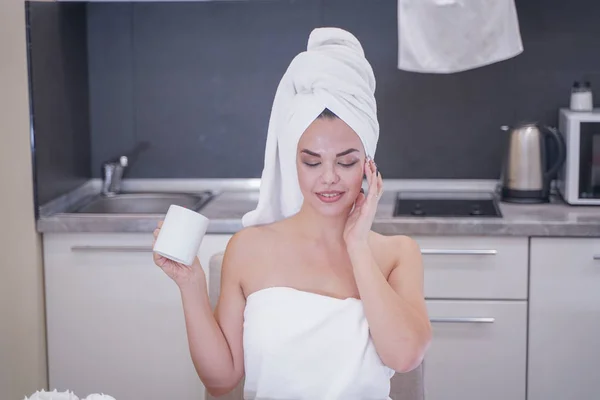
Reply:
x=143, y=203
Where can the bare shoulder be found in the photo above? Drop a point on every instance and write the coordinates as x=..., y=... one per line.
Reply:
x=395, y=244
x=245, y=251
x=250, y=238
x=243, y=245
x=395, y=250
x=407, y=246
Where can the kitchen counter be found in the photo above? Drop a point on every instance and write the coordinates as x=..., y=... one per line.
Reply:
x=236, y=197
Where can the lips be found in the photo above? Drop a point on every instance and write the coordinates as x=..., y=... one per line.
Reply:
x=330, y=196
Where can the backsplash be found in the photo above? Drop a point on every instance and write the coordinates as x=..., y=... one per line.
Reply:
x=197, y=79
x=58, y=82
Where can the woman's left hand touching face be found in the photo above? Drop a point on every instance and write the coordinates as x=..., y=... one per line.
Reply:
x=361, y=217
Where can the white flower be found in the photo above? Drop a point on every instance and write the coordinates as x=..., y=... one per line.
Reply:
x=53, y=395
x=97, y=396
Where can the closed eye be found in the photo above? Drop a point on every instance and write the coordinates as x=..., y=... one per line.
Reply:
x=311, y=165
x=345, y=165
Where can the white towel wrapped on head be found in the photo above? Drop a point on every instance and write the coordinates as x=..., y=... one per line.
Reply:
x=332, y=73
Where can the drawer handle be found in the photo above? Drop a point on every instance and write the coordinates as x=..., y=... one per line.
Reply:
x=472, y=320
x=596, y=257
x=104, y=249
x=471, y=252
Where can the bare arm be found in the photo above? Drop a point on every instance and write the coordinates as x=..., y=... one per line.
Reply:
x=395, y=308
x=215, y=341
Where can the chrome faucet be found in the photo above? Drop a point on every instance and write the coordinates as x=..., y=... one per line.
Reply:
x=113, y=175
x=113, y=170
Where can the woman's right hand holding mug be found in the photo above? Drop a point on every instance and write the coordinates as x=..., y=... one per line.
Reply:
x=184, y=276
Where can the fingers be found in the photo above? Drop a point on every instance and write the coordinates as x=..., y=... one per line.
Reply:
x=372, y=174
x=159, y=260
x=157, y=230
x=376, y=180
x=369, y=173
x=360, y=199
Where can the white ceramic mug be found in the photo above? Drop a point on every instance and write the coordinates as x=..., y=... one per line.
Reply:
x=181, y=234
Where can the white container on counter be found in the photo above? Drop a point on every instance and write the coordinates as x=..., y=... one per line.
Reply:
x=581, y=97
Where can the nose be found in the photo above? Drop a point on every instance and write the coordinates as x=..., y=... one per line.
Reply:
x=330, y=175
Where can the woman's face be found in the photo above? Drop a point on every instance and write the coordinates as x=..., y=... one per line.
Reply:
x=330, y=163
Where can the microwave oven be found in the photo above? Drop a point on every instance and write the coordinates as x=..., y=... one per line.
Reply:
x=578, y=181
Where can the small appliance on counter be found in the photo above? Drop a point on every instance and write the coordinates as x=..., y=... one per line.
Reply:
x=526, y=176
x=578, y=180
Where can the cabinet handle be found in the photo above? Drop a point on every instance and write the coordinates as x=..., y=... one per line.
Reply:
x=476, y=320
x=596, y=257
x=103, y=249
x=463, y=252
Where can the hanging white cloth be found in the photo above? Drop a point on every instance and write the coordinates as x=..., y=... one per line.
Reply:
x=446, y=36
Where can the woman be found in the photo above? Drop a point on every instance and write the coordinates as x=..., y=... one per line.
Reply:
x=313, y=304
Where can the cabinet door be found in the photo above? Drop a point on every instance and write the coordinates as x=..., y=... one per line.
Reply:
x=564, y=321
x=488, y=268
x=115, y=320
x=478, y=350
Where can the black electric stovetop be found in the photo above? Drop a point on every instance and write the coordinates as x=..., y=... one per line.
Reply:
x=438, y=206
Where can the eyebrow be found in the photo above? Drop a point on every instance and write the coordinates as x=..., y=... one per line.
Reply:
x=343, y=153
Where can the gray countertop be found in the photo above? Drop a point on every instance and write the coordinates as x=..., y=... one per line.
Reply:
x=233, y=200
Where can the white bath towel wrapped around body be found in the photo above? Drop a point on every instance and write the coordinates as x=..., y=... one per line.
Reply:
x=306, y=346
x=332, y=73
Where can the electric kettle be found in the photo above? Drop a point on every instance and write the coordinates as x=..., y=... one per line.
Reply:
x=527, y=170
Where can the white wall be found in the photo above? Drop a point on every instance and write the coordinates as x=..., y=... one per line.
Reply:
x=23, y=367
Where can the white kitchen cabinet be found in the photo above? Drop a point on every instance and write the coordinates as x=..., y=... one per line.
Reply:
x=478, y=350
x=115, y=321
x=476, y=291
x=459, y=267
x=564, y=324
